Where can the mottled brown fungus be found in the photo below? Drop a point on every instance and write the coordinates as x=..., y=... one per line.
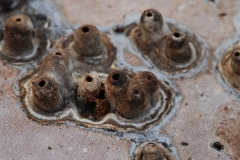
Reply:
x=235, y=61
x=18, y=36
x=177, y=47
x=87, y=41
x=47, y=95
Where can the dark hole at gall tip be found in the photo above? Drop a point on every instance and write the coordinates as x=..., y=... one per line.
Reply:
x=149, y=14
x=136, y=92
x=85, y=29
x=58, y=53
x=236, y=54
x=149, y=77
x=176, y=34
x=217, y=146
x=115, y=76
x=18, y=19
x=89, y=79
x=41, y=83
x=119, y=30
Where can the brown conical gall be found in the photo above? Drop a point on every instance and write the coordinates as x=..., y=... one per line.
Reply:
x=152, y=27
x=18, y=36
x=149, y=83
x=47, y=95
x=87, y=41
x=56, y=65
x=151, y=21
x=134, y=103
x=116, y=86
x=177, y=47
x=89, y=84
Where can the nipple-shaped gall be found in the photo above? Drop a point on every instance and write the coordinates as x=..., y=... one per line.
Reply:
x=47, y=95
x=134, y=103
x=87, y=41
x=177, y=47
x=56, y=64
x=18, y=36
x=89, y=84
x=152, y=27
x=91, y=97
x=116, y=86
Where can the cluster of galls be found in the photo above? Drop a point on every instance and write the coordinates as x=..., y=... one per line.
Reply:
x=51, y=83
x=154, y=35
x=120, y=93
x=129, y=97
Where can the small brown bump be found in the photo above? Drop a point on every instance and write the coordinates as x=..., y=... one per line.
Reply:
x=47, y=95
x=235, y=61
x=18, y=36
x=177, y=47
x=87, y=41
x=152, y=151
